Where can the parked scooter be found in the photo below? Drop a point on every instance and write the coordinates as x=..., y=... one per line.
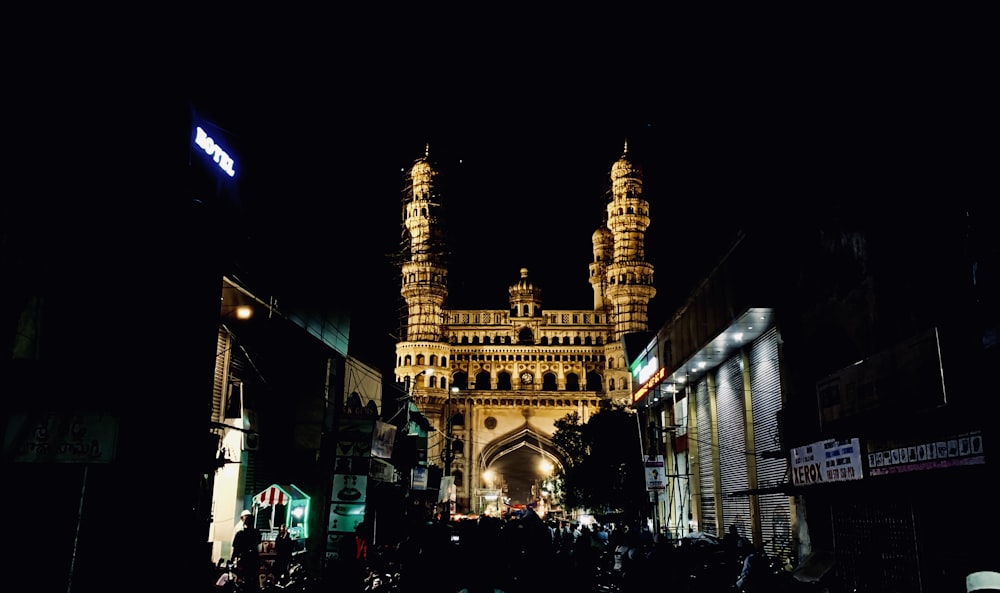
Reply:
x=296, y=580
x=761, y=573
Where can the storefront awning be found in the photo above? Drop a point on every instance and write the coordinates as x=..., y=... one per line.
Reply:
x=276, y=494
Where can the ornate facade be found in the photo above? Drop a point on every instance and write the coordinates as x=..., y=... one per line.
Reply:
x=494, y=381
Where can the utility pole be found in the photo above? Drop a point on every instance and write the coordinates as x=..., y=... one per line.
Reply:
x=447, y=454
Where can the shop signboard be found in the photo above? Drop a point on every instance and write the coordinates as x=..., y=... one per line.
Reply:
x=953, y=451
x=60, y=438
x=826, y=462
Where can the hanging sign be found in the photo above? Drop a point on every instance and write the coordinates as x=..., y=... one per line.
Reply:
x=419, y=478
x=655, y=479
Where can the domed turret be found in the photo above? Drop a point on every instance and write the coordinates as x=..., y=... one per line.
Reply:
x=604, y=242
x=525, y=299
x=626, y=176
x=604, y=245
x=422, y=176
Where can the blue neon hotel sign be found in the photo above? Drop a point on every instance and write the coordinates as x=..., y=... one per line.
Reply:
x=211, y=147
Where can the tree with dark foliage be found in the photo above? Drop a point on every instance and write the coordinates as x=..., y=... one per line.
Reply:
x=604, y=470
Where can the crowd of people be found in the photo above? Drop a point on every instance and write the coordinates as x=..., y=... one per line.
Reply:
x=515, y=553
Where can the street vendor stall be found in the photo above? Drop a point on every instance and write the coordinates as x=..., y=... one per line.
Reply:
x=277, y=505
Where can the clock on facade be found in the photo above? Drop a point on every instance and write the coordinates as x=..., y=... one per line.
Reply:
x=526, y=377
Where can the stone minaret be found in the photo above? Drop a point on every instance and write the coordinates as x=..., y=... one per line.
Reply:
x=628, y=277
x=424, y=350
x=603, y=244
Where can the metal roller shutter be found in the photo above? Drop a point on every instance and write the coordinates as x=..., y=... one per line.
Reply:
x=701, y=433
x=765, y=386
x=732, y=445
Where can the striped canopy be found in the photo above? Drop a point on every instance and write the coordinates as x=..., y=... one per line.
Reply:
x=273, y=494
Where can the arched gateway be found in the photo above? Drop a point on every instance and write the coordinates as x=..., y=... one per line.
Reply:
x=492, y=383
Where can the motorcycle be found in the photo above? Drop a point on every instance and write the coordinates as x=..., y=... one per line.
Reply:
x=607, y=579
x=295, y=580
x=383, y=574
x=762, y=573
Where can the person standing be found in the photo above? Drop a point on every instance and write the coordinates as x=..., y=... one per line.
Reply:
x=352, y=560
x=246, y=551
x=283, y=546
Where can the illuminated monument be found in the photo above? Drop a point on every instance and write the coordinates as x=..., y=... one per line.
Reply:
x=494, y=381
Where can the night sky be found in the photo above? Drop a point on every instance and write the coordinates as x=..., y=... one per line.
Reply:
x=521, y=190
x=526, y=158
x=524, y=136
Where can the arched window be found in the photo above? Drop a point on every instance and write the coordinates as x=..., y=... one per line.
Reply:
x=444, y=361
x=459, y=477
x=458, y=420
x=611, y=384
x=544, y=341
x=460, y=380
x=408, y=360
x=458, y=447
x=475, y=339
x=549, y=382
x=593, y=381
x=420, y=359
x=433, y=381
x=434, y=359
x=482, y=380
x=465, y=339
x=577, y=341
x=572, y=382
x=504, y=382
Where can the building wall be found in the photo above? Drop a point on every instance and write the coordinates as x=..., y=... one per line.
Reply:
x=899, y=315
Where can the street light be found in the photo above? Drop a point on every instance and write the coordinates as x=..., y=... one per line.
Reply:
x=490, y=493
